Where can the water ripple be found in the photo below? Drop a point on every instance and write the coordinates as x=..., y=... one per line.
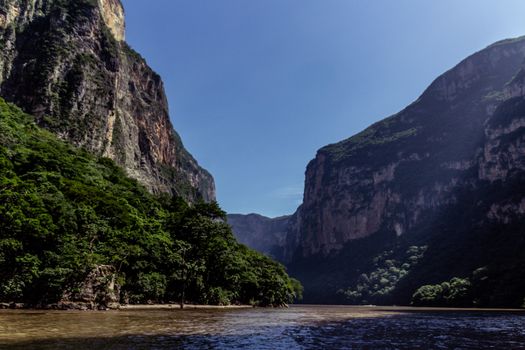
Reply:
x=305, y=327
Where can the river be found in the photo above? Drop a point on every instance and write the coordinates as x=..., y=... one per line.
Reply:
x=298, y=327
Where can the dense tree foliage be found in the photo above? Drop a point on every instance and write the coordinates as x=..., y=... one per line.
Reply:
x=472, y=291
x=459, y=262
x=381, y=281
x=456, y=292
x=64, y=211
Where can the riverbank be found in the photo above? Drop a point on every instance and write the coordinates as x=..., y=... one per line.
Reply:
x=177, y=306
x=91, y=307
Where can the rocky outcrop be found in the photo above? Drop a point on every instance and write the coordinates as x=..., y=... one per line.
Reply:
x=99, y=290
x=458, y=134
x=67, y=63
x=266, y=235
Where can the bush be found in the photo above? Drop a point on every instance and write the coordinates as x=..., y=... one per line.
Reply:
x=456, y=292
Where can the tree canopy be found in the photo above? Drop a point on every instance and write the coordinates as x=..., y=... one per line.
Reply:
x=64, y=211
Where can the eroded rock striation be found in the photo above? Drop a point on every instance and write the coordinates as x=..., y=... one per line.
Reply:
x=67, y=63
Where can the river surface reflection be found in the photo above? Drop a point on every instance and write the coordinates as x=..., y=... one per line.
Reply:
x=299, y=327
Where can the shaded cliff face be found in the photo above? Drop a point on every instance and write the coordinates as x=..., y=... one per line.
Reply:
x=403, y=170
x=67, y=63
x=432, y=193
x=266, y=235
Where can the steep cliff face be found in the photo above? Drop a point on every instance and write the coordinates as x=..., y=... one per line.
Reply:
x=433, y=193
x=501, y=163
x=266, y=235
x=403, y=170
x=67, y=63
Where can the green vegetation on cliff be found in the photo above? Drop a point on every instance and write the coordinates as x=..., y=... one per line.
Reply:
x=64, y=211
x=370, y=288
x=452, y=293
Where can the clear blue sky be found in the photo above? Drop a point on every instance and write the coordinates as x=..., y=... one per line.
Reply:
x=257, y=86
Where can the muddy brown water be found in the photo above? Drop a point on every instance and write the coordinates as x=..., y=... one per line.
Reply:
x=298, y=327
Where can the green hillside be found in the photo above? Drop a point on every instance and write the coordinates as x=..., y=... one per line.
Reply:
x=64, y=211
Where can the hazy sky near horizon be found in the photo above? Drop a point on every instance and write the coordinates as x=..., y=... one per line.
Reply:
x=255, y=87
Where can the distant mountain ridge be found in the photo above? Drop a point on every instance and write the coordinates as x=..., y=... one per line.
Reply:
x=266, y=235
x=67, y=63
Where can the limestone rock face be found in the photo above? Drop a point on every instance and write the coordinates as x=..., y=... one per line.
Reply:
x=99, y=289
x=113, y=16
x=266, y=235
x=464, y=130
x=67, y=63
